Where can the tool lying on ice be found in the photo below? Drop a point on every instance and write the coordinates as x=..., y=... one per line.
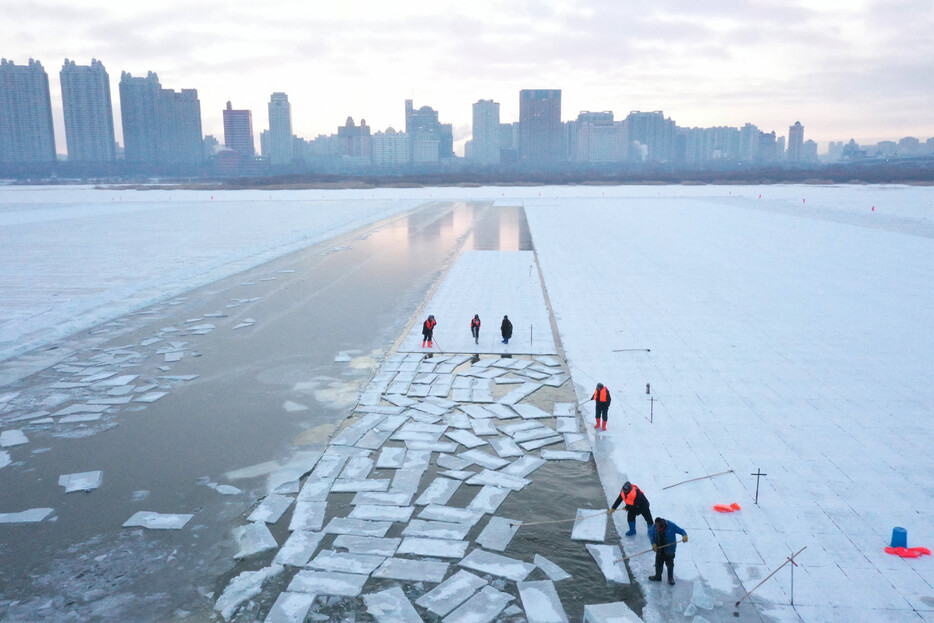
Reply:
x=791, y=559
x=729, y=471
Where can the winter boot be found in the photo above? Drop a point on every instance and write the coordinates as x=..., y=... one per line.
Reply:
x=632, y=529
x=658, y=570
x=596, y=426
x=429, y=344
x=423, y=343
x=671, y=572
x=604, y=425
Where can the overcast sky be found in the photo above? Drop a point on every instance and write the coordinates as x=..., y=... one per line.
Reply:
x=860, y=69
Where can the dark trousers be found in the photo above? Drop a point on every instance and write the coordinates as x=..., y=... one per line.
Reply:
x=664, y=558
x=475, y=331
x=603, y=409
x=645, y=512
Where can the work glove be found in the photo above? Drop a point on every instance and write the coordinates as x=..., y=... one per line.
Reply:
x=612, y=510
x=684, y=539
x=654, y=547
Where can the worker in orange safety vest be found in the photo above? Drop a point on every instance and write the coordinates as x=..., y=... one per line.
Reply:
x=636, y=504
x=601, y=398
x=428, y=329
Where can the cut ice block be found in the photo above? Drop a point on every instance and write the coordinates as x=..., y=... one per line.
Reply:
x=496, y=564
x=357, y=468
x=307, y=515
x=290, y=608
x=541, y=602
x=590, y=525
x=451, y=593
x=32, y=515
x=390, y=458
x=483, y=607
x=476, y=411
x=577, y=442
x=483, y=459
x=465, y=438
x=385, y=498
x=565, y=455
x=438, y=548
x=377, y=512
x=523, y=466
x=271, y=508
x=85, y=481
x=438, y=492
x=437, y=512
x=483, y=428
x=488, y=477
x=540, y=443
x=452, y=462
x=391, y=606
x=380, y=546
x=606, y=557
x=512, y=429
x=253, y=538
x=567, y=425
x=157, y=521
x=498, y=533
x=615, y=612
x=406, y=480
x=432, y=446
x=354, y=486
x=359, y=527
x=299, y=548
x=412, y=570
x=327, y=583
x=456, y=475
x=488, y=499
x=437, y=529
x=552, y=570
x=506, y=447
x=532, y=434
x=345, y=562
x=530, y=412
x=417, y=459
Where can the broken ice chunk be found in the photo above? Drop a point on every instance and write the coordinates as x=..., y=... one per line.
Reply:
x=498, y=533
x=488, y=499
x=328, y=583
x=243, y=587
x=496, y=564
x=552, y=570
x=438, y=492
x=271, y=508
x=589, y=525
x=439, y=548
x=290, y=608
x=253, y=538
x=4, y=459
x=391, y=606
x=607, y=557
x=541, y=602
x=329, y=560
x=377, y=512
x=299, y=548
x=451, y=593
x=32, y=515
x=84, y=481
x=565, y=455
x=157, y=521
x=9, y=438
x=412, y=570
x=379, y=546
x=483, y=607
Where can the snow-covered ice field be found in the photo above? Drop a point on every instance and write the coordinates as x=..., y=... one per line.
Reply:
x=788, y=328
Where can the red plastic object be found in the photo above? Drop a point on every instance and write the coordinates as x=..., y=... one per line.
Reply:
x=723, y=508
x=908, y=552
x=735, y=506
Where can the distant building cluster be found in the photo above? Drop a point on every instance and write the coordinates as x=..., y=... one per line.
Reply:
x=162, y=135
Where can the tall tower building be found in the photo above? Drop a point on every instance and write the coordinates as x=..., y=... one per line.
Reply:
x=238, y=131
x=654, y=134
x=89, y=119
x=795, y=142
x=279, y=140
x=485, y=139
x=179, y=119
x=26, y=134
x=540, y=129
x=139, y=98
x=422, y=125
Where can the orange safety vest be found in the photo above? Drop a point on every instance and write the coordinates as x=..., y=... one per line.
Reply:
x=474, y=323
x=631, y=498
x=600, y=395
x=431, y=324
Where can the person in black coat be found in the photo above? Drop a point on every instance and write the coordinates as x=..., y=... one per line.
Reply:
x=428, y=330
x=636, y=504
x=475, y=328
x=506, y=329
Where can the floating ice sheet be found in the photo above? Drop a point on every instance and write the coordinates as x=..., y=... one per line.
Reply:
x=84, y=481
x=432, y=446
x=79, y=417
x=540, y=443
x=552, y=570
x=438, y=492
x=532, y=434
x=359, y=527
x=565, y=455
x=290, y=608
x=541, y=602
x=150, y=397
x=32, y=515
x=307, y=515
x=506, y=447
x=271, y=508
x=406, y=480
x=556, y=381
x=483, y=607
x=327, y=583
x=606, y=557
x=483, y=459
x=391, y=606
x=498, y=533
x=488, y=499
x=437, y=529
x=377, y=512
x=500, y=411
x=517, y=427
x=452, y=462
x=530, y=412
x=253, y=538
x=299, y=548
x=519, y=393
x=523, y=466
x=385, y=498
x=489, y=477
x=590, y=525
x=379, y=546
x=456, y=474
x=390, y=458
x=438, y=548
x=243, y=587
x=354, y=486
x=417, y=460
x=437, y=512
x=157, y=521
x=345, y=562
x=496, y=564
x=412, y=570
x=476, y=411
x=451, y=593
x=483, y=427
x=465, y=438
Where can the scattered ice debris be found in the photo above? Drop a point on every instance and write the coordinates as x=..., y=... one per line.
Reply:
x=380, y=546
x=223, y=489
x=329, y=560
x=565, y=455
x=4, y=459
x=33, y=515
x=150, y=397
x=412, y=570
x=9, y=438
x=496, y=564
x=553, y=571
x=606, y=557
x=451, y=593
x=247, y=322
x=252, y=539
x=84, y=481
x=79, y=417
x=328, y=583
x=157, y=521
x=438, y=492
x=299, y=548
x=292, y=407
x=498, y=533
x=589, y=525
x=438, y=548
x=391, y=606
x=290, y=608
x=270, y=510
x=483, y=607
x=243, y=587
x=541, y=602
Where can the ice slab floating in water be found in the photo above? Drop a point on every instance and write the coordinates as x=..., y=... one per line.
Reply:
x=552, y=570
x=32, y=515
x=328, y=583
x=290, y=608
x=496, y=564
x=451, y=593
x=497, y=534
x=606, y=557
x=541, y=602
x=412, y=570
x=157, y=521
x=481, y=608
x=590, y=525
x=85, y=481
x=391, y=606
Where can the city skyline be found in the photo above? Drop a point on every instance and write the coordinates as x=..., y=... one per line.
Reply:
x=846, y=70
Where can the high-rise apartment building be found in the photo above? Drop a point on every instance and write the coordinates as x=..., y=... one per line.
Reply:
x=279, y=139
x=596, y=138
x=139, y=98
x=180, y=139
x=422, y=124
x=485, y=141
x=26, y=134
x=652, y=134
x=540, y=130
x=89, y=119
x=795, y=142
x=238, y=131
x=390, y=149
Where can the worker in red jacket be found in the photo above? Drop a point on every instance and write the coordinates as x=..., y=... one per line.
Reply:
x=601, y=398
x=636, y=504
x=428, y=330
x=475, y=328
